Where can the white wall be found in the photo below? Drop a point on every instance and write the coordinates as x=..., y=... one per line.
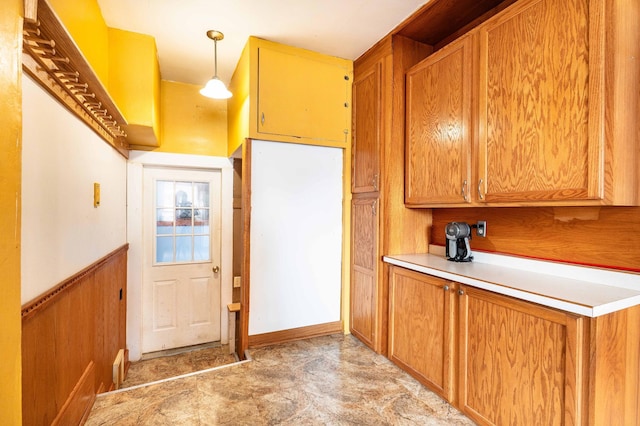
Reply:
x=296, y=236
x=62, y=232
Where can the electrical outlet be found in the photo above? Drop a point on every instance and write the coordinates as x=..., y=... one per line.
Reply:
x=481, y=230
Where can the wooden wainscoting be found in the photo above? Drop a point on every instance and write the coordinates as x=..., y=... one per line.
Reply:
x=70, y=337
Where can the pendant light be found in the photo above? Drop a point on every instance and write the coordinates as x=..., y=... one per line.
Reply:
x=215, y=88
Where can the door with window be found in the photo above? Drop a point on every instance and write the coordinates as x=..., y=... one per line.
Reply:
x=181, y=276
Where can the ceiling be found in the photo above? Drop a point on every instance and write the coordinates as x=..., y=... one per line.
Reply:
x=343, y=28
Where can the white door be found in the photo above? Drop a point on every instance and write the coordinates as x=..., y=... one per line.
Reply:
x=181, y=275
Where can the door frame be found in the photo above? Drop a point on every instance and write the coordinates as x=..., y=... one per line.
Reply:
x=138, y=160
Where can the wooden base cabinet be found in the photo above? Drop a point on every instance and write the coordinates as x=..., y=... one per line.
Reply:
x=422, y=328
x=520, y=363
x=505, y=361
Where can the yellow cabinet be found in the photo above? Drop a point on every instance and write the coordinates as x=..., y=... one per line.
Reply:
x=134, y=83
x=289, y=94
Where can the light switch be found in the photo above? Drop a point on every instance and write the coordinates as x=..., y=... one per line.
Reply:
x=236, y=282
x=96, y=194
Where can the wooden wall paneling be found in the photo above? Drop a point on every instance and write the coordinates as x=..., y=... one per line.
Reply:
x=615, y=368
x=70, y=336
x=603, y=236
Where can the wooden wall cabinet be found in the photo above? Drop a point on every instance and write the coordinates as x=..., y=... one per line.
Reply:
x=422, y=321
x=380, y=223
x=554, y=110
x=282, y=93
x=367, y=116
x=439, y=127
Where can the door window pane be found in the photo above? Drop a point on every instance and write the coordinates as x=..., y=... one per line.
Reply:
x=201, y=247
x=182, y=221
x=164, y=249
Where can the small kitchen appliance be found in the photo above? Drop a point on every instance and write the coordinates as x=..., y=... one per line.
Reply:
x=458, y=236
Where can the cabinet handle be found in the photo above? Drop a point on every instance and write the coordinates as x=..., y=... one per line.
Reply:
x=374, y=181
x=463, y=191
x=262, y=118
x=480, y=190
x=460, y=292
x=445, y=288
x=373, y=207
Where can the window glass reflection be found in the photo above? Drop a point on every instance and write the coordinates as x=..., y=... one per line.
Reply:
x=182, y=221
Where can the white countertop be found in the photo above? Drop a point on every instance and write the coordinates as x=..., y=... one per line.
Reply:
x=581, y=290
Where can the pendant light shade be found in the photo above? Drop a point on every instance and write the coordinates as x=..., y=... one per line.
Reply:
x=215, y=88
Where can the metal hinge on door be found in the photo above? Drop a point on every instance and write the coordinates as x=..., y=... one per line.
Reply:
x=373, y=207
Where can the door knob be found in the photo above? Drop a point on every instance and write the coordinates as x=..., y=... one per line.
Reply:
x=216, y=269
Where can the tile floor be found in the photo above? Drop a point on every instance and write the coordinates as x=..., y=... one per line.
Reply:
x=189, y=361
x=330, y=380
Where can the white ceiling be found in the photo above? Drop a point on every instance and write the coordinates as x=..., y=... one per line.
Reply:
x=343, y=28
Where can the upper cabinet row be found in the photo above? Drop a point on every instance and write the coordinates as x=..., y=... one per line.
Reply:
x=288, y=94
x=538, y=105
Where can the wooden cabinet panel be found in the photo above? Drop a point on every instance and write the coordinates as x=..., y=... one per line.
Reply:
x=364, y=312
x=421, y=328
x=554, y=111
x=439, y=131
x=303, y=96
x=537, y=100
x=520, y=363
x=367, y=129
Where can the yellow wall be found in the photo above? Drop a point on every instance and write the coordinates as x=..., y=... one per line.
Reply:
x=10, y=176
x=190, y=122
x=84, y=21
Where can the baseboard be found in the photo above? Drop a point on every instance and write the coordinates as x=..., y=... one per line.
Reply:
x=78, y=405
x=282, y=336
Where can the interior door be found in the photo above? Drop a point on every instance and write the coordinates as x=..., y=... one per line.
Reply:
x=181, y=276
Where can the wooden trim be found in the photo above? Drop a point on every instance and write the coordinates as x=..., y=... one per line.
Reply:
x=299, y=333
x=78, y=405
x=31, y=308
x=54, y=61
x=243, y=335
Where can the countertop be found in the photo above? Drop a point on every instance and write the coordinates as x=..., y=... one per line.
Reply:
x=581, y=290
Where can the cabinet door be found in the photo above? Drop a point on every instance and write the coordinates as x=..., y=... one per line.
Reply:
x=302, y=97
x=540, y=135
x=520, y=363
x=367, y=130
x=421, y=325
x=438, y=127
x=365, y=320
